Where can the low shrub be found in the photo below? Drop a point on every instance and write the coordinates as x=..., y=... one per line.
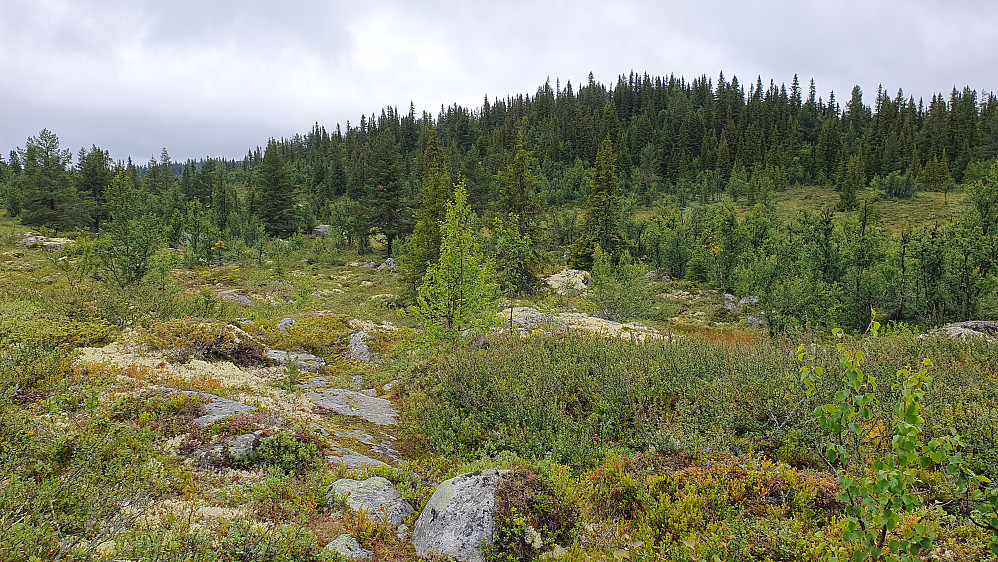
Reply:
x=197, y=338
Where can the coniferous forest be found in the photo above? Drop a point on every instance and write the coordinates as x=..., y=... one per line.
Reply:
x=742, y=364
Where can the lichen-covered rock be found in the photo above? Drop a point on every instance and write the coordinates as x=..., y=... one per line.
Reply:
x=376, y=496
x=322, y=230
x=352, y=459
x=358, y=348
x=968, y=329
x=459, y=518
x=527, y=318
x=353, y=403
x=285, y=323
x=304, y=361
x=236, y=298
x=568, y=280
x=348, y=547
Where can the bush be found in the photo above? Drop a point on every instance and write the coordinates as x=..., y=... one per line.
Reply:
x=196, y=338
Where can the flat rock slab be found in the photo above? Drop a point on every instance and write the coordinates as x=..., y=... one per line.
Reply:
x=970, y=328
x=304, y=361
x=526, y=318
x=352, y=459
x=376, y=496
x=216, y=408
x=236, y=298
x=353, y=403
x=459, y=518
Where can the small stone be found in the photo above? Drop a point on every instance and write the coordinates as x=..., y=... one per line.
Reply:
x=751, y=299
x=370, y=265
x=322, y=230
x=730, y=302
x=348, y=547
x=756, y=321
x=388, y=265
x=651, y=275
x=245, y=321
x=285, y=323
x=358, y=348
x=244, y=446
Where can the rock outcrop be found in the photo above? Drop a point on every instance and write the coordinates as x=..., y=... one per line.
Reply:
x=348, y=547
x=526, y=318
x=459, y=518
x=968, y=329
x=568, y=281
x=353, y=403
x=376, y=496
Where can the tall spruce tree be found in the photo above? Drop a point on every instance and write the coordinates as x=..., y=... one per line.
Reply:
x=275, y=200
x=602, y=214
x=48, y=196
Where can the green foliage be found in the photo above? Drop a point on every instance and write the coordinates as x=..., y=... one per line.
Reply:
x=880, y=489
x=896, y=184
x=460, y=284
x=602, y=215
x=530, y=518
x=132, y=235
x=288, y=452
x=47, y=194
x=195, y=338
x=618, y=291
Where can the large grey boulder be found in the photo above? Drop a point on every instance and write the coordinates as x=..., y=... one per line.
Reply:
x=376, y=496
x=459, y=518
x=348, y=547
x=236, y=298
x=967, y=329
x=304, y=361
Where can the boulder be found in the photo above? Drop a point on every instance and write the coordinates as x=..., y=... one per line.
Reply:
x=376, y=496
x=370, y=265
x=358, y=348
x=388, y=265
x=730, y=302
x=968, y=329
x=459, y=518
x=568, y=281
x=216, y=408
x=751, y=299
x=651, y=275
x=323, y=230
x=756, y=321
x=526, y=318
x=348, y=547
x=285, y=323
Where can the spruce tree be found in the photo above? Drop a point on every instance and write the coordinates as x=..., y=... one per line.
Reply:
x=276, y=204
x=602, y=215
x=47, y=194
x=423, y=247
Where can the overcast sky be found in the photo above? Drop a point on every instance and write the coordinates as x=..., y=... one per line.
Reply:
x=214, y=78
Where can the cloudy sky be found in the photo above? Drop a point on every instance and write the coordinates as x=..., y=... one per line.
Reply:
x=214, y=78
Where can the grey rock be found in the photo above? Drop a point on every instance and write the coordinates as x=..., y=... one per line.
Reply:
x=756, y=321
x=322, y=230
x=306, y=261
x=358, y=348
x=967, y=329
x=217, y=407
x=370, y=265
x=651, y=275
x=352, y=403
x=751, y=299
x=390, y=385
x=357, y=434
x=348, y=547
x=369, y=392
x=666, y=277
x=285, y=323
x=304, y=361
x=352, y=459
x=376, y=496
x=730, y=302
x=245, y=321
x=388, y=265
x=236, y=298
x=244, y=446
x=314, y=382
x=356, y=381
x=459, y=518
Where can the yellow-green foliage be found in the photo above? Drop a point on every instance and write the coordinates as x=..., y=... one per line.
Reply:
x=197, y=338
x=323, y=335
x=53, y=333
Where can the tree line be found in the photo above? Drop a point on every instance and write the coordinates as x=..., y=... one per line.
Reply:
x=571, y=167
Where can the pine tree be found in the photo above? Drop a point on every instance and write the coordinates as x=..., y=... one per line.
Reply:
x=133, y=234
x=461, y=283
x=602, y=220
x=276, y=204
x=47, y=194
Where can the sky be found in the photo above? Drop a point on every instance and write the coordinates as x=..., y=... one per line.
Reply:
x=216, y=78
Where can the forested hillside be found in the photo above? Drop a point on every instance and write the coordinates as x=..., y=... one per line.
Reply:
x=824, y=211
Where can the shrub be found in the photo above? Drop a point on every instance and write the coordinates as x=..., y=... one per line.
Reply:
x=196, y=338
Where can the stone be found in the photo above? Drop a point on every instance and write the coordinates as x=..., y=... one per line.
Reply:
x=322, y=230
x=751, y=299
x=526, y=318
x=459, y=518
x=730, y=302
x=651, y=275
x=352, y=403
x=569, y=281
x=348, y=547
x=236, y=298
x=244, y=446
x=285, y=323
x=304, y=361
x=245, y=321
x=306, y=261
x=967, y=329
x=358, y=348
x=370, y=265
x=756, y=321
x=216, y=408
x=388, y=265
x=375, y=496
x=352, y=459
x=45, y=243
